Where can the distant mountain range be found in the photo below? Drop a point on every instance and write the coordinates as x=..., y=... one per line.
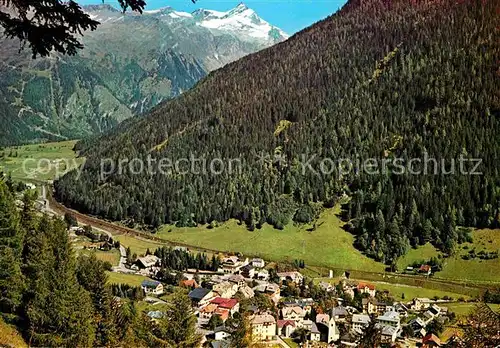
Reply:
x=129, y=64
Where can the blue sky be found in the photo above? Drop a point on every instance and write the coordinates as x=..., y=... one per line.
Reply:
x=291, y=15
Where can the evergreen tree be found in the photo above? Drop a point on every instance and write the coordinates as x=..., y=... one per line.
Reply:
x=178, y=327
x=241, y=337
x=57, y=311
x=215, y=321
x=91, y=274
x=11, y=237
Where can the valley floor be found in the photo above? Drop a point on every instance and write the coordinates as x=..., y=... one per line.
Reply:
x=327, y=246
x=39, y=162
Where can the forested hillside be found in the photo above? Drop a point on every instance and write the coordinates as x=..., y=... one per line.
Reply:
x=56, y=300
x=380, y=79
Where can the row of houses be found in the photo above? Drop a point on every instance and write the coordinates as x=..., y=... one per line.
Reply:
x=343, y=325
x=234, y=264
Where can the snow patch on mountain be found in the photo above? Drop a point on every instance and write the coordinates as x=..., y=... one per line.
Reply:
x=178, y=14
x=240, y=20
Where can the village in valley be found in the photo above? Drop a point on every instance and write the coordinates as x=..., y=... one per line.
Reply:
x=277, y=303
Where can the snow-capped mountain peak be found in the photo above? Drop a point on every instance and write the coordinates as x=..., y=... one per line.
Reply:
x=241, y=8
x=241, y=21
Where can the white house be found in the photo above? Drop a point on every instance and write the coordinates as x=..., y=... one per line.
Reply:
x=236, y=279
x=232, y=264
x=263, y=327
x=419, y=304
x=222, y=333
x=286, y=327
x=432, y=311
x=294, y=313
x=389, y=333
x=147, y=261
x=366, y=288
x=226, y=289
x=271, y=290
x=327, y=287
x=294, y=276
x=263, y=274
x=152, y=287
x=315, y=335
x=30, y=186
x=390, y=319
x=258, y=263
x=360, y=322
x=200, y=296
x=339, y=314
x=246, y=291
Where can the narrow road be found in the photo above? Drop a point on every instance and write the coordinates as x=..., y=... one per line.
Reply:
x=121, y=268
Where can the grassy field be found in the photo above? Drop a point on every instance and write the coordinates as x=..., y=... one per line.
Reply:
x=410, y=292
x=462, y=309
x=10, y=337
x=423, y=253
x=477, y=270
x=82, y=245
x=137, y=245
x=40, y=161
x=410, y=288
x=112, y=256
x=329, y=245
x=454, y=267
x=122, y=278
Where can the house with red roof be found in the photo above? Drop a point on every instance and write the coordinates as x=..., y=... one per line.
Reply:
x=230, y=304
x=431, y=341
x=286, y=328
x=224, y=314
x=366, y=288
x=425, y=269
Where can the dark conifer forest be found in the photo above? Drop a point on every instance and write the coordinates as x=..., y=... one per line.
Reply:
x=380, y=79
x=57, y=300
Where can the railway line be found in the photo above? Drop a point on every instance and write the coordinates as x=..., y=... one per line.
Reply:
x=114, y=228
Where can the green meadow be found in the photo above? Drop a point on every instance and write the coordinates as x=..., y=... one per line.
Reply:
x=328, y=245
x=137, y=245
x=402, y=292
x=475, y=269
x=39, y=162
x=455, y=267
x=122, y=278
x=422, y=253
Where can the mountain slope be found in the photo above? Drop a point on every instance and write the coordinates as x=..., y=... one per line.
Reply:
x=407, y=80
x=118, y=74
